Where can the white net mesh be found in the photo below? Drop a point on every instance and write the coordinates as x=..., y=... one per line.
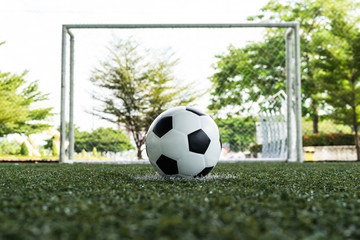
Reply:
x=240, y=73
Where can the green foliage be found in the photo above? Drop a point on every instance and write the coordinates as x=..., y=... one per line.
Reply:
x=103, y=140
x=256, y=148
x=238, y=132
x=48, y=143
x=325, y=126
x=235, y=201
x=242, y=72
x=94, y=152
x=17, y=112
x=331, y=139
x=339, y=70
x=318, y=20
x=54, y=149
x=41, y=151
x=24, y=151
x=140, y=84
x=9, y=148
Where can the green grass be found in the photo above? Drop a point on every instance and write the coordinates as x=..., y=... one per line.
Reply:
x=236, y=201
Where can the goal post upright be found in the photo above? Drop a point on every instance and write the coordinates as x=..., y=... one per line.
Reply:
x=299, y=143
x=63, y=95
x=66, y=31
x=294, y=28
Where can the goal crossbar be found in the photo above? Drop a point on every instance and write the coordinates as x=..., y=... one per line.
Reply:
x=207, y=25
x=293, y=28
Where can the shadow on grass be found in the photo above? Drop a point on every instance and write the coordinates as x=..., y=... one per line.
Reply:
x=159, y=178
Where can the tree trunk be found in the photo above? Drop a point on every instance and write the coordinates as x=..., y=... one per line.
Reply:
x=356, y=136
x=315, y=123
x=139, y=143
x=355, y=119
x=315, y=118
x=139, y=153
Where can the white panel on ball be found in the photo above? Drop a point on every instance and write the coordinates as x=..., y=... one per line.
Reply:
x=153, y=149
x=171, y=111
x=186, y=121
x=174, y=144
x=190, y=164
x=212, y=155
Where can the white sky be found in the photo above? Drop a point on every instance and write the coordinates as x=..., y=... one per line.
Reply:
x=32, y=29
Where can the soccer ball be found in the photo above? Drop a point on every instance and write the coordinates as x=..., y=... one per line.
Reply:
x=183, y=141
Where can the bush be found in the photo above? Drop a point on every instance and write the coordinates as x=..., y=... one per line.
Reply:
x=9, y=148
x=94, y=151
x=325, y=127
x=238, y=132
x=331, y=139
x=24, y=149
x=257, y=148
x=54, y=150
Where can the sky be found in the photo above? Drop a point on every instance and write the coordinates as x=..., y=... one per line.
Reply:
x=32, y=31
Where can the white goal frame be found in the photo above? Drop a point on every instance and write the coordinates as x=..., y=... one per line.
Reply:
x=293, y=79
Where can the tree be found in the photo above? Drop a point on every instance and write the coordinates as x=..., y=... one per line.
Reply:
x=314, y=17
x=54, y=149
x=245, y=74
x=339, y=71
x=139, y=85
x=17, y=111
x=238, y=132
x=24, y=151
x=102, y=140
x=94, y=152
x=9, y=148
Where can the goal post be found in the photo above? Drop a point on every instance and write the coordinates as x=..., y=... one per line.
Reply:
x=290, y=144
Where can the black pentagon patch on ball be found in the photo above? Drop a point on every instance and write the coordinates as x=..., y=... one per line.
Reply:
x=198, y=141
x=167, y=165
x=193, y=110
x=163, y=126
x=204, y=172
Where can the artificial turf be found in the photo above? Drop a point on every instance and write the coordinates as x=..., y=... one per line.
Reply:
x=235, y=201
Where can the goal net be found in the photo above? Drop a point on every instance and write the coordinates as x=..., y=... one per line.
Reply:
x=245, y=76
